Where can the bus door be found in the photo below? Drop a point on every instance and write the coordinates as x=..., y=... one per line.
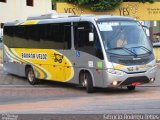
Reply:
x=89, y=54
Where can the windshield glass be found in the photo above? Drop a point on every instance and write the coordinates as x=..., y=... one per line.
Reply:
x=124, y=37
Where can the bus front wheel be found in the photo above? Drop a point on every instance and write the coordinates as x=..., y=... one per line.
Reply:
x=31, y=76
x=131, y=88
x=86, y=81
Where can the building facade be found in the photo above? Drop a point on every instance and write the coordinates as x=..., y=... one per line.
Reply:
x=20, y=9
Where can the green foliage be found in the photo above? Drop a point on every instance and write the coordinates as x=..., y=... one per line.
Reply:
x=106, y=5
x=150, y=1
x=100, y=5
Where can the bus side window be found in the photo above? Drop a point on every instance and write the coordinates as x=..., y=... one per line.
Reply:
x=33, y=33
x=67, y=36
x=8, y=32
x=82, y=43
x=98, y=47
x=52, y=36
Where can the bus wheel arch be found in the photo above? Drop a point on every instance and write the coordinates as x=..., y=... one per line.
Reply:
x=30, y=75
x=86, y=80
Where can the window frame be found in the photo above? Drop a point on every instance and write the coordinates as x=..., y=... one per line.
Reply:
x=4, y=1
x=91, y=47
x=30, y=3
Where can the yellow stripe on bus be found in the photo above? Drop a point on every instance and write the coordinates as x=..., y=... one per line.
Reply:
x=9, y=54
x=31, y=22
x=49, y=67
x=119, y=66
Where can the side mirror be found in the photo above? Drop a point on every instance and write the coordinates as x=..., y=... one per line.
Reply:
x=146, y=29
x=91, y=37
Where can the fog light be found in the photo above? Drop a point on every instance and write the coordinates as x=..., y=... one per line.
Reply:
x=115, y=83
x=152, y=79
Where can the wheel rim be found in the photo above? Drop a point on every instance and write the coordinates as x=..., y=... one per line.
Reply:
x=30, y=76
x=84, y=83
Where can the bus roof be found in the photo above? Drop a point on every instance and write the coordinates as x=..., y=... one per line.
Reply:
x=61, y=18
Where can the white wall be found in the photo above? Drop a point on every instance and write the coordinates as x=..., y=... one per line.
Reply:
x=17, y=9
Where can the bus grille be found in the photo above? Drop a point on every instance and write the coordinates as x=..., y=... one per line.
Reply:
x=134, y=62
x=130, y=60
x=130, y=80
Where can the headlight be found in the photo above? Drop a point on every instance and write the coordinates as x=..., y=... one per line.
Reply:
x=116, y=72
x=153, y=69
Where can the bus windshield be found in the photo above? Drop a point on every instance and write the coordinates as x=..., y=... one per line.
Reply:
x=124, y=37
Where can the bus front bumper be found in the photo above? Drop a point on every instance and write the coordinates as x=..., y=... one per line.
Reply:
x=116, y=78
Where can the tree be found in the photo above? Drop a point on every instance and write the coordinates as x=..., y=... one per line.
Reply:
x=150, y=1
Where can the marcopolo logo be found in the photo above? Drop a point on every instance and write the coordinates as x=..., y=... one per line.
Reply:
x=58, y=58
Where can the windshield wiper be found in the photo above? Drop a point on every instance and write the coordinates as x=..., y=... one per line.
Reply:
x=146, y=49
x=126, y=49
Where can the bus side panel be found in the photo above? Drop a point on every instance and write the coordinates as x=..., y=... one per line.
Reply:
x=57, y=65
x=48, y=64
x=84, y=61
x=12, y=64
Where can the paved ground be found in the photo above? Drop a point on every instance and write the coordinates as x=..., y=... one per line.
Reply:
x=71, y=100
x=18, y=97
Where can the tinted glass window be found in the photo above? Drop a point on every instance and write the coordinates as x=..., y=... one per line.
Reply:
x=82, y=43
x=67, y=36
x=9, y=31
x=82, y=30
x=52, y=36
x=8, y=35
x=57, y=36
x=48, y=36
x=32, y=32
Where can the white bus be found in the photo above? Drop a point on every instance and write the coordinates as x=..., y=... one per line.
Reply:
x=92, y=51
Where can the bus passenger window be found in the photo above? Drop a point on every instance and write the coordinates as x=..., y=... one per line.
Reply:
x=82, y=43
x=67, y=36
x=99, y=53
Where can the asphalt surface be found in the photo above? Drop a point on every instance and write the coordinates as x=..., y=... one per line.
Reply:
x=67, y=101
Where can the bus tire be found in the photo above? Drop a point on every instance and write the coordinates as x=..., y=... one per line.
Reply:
x=31, y=76
x=86, y=81
x=131, y=88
